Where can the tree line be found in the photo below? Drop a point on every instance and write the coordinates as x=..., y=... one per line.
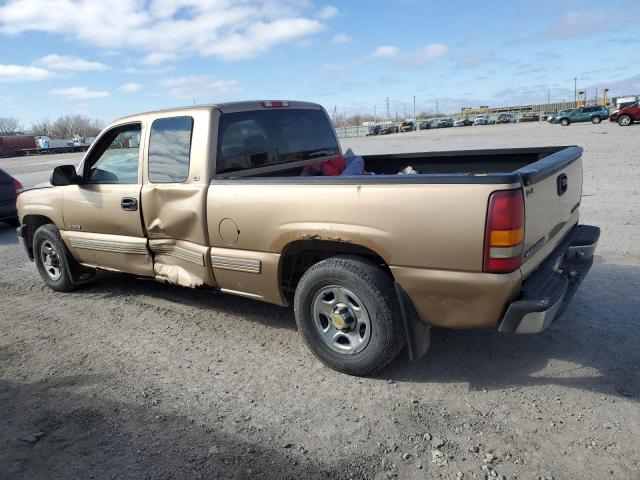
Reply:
x=65, y=127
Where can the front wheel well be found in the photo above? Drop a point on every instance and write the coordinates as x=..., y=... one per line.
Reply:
x=299, y=256
x=33, y=222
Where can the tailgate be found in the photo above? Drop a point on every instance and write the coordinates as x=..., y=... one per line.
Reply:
x=552, y=191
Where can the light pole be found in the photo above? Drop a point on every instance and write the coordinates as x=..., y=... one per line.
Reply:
x=414, y=108
x=575, y=90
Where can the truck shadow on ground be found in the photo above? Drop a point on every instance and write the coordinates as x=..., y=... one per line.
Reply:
x=78, y=435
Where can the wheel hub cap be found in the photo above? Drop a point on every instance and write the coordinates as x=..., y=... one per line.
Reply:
x=50, y=260
x=341, y=319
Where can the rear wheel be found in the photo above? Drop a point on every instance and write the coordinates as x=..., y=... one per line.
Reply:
x=52, y=259
x=596, y=120
x=348, y=314
x=625, y=120
x=564, y=122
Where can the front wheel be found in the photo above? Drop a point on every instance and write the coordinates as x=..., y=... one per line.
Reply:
x=564, y=122
x=625, y=120
x=596, y=120
x=52, y=259
x=348, y=314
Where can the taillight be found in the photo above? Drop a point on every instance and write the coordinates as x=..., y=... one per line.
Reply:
x=275, y=104
x=504, y=236
x=17, y=186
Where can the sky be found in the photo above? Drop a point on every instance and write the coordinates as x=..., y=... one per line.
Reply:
x=107, y=59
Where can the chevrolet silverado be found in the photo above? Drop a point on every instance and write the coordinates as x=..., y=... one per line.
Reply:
x=220, y=196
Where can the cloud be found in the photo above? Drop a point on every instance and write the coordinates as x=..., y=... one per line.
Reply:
x=385, y=51
x=158, y=58
x=575, y=24
x=64, y=62
x=162, y=29
x=341, y=39
x=131, y=87
x=22, y=73
x=473, y=59
x=78, y=93
x=328, y=12
x=415, y=59
x=198, y=86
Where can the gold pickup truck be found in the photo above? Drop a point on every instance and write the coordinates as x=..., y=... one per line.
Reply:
x=220, y=196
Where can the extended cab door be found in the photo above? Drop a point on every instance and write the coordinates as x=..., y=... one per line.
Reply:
x=174, y=194
x=102, y=223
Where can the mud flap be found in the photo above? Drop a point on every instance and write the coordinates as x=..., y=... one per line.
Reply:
x=79, y=274
x=418, y=334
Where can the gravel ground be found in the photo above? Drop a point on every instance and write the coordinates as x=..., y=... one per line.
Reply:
x=129, y=378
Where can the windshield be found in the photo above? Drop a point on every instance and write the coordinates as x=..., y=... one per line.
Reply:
x=264, y=138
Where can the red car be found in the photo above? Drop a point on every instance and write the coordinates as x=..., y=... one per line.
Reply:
x=627, y=115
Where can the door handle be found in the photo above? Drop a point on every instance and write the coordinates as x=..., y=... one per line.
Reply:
x=129, y=204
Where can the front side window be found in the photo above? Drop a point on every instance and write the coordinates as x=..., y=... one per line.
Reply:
x=169, y=149
x=115, y=158
x=254, y=139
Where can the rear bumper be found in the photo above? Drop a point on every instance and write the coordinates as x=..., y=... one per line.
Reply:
x=546, y=293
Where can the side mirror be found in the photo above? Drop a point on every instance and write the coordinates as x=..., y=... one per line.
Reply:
x=64, y=175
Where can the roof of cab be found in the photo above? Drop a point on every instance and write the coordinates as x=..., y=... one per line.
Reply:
x=227, y=107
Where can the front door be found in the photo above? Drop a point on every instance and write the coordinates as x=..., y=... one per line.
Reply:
x=102, y=221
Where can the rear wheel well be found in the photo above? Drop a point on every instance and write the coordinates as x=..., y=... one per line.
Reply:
x=299, y=256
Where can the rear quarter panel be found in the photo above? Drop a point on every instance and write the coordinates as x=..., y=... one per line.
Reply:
x=419, y=225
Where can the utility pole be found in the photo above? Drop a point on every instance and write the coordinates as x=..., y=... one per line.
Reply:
x=405, y=111
x=375, y=115
x=575, y=90
x=414, y=109
x=388, y=114
x=335, y=115
x=437, y=112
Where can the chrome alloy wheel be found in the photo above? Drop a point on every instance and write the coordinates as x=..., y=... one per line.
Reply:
x=50, y=260
x=341, y=319
x=625, y=120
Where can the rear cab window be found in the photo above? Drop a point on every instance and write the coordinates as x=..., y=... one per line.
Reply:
x=267, y=138
x=170, y=149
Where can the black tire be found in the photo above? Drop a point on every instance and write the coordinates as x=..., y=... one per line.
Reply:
x=625, y=120
x=48, y=235
x=375, y=290
x=565, y=122
x=596, y=120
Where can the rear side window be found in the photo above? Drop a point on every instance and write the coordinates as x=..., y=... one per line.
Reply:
x=262, y=138
x=169, y=149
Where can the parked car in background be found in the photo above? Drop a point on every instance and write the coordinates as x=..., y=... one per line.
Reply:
x=483, y=120
x=426, y=125
x=407, y=127
x=594, y=114
x=373, y=130
x=387, y=129
x=445, y=123
x=530, y=117
x=463, y=122
x=627, y=115
x=10, y=188
x=506, y=118
x=555, y=115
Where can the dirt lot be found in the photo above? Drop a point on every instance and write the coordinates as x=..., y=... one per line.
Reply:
x=129, y=378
